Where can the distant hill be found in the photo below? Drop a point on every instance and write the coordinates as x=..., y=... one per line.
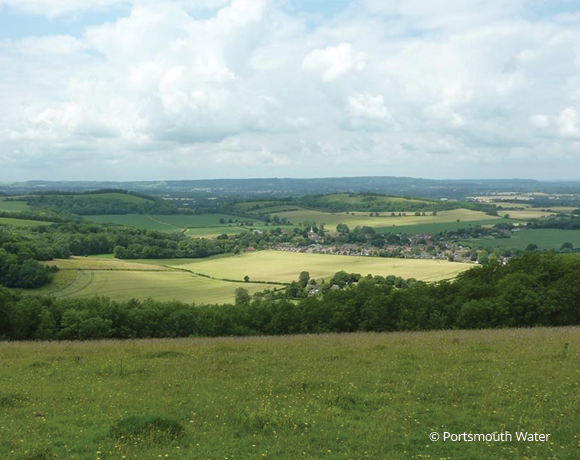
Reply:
x=402, y=186
x=101, y=202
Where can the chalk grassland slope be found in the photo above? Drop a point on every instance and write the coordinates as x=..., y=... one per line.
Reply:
x=102, y=263
x=346, y=396
x=119, y=280
x=22, y=222
x=359, y=199
x=281, y=266
x=141, y=221
x=543, y=238
x=13, y=206
x=331, y=220
x=168, y=223
x=112, y=196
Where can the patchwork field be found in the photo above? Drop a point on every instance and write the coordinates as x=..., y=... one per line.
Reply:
x=281, y=266
x=349, y=396
x=544, y=238
x=120, y=280
x=116, y=196
x=13, y=206
x=442, y=227
x=331, y=220
x=171, y=223
x=22, y=222
x=528, y=214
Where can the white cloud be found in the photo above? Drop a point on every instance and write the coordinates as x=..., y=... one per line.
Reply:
x=540, y=121
x=332, y=62
x=569, y=123
x=368, y=106
x=167, y=91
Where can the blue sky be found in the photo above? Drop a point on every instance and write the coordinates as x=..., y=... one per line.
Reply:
x=154, y=89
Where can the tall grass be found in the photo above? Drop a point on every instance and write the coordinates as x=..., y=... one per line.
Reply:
x=353, y=396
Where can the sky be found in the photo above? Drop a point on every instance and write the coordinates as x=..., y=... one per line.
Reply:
x=193, y=89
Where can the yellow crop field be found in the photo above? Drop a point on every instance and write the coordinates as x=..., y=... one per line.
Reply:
x=121, y=280
x=331, y=220
x=281, y=266
x=527, y=214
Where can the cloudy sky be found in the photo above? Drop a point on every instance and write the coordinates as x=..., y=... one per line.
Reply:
x=187, y=89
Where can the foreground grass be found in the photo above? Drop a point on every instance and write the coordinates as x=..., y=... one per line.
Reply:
x=337, y=396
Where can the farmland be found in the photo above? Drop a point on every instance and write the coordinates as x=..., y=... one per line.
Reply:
x=112, y=196
x=442, y=227
x=171, y=223
x=543, y=238
x=21, y=222
x=384, y=220
x=13, y=206
x=120, y=280
x=351, y=396
x=280, y=266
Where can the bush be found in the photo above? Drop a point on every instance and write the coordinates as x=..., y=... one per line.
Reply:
x=150, y=429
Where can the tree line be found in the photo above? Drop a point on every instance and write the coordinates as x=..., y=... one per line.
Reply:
x=532, y=290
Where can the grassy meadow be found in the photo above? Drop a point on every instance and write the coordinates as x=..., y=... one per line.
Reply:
x=350, y=396
x=13, y=206
x=172, y=223
x=544, y=238
x=281, y=266
x=22, y=222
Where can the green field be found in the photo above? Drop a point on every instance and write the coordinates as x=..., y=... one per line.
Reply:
x=281, y=266
x=112, y=196
x=360, y=199
x=125, y=280
x=331, y=220
x=13, y=206
x=141, y=221
x=210, y=232
x=22, y=222
x=442, y=227
x=544, y=238
x=169, y=223
x=351, y=396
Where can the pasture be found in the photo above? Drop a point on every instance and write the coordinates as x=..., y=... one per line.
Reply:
x=349, y=396
x=125, y=280
x=281, y=266
x=171, y=223
x=13, y=206
x=22, y=222
x=331, y=220
x=442, y=227
x=543, y=238
x=112, y=196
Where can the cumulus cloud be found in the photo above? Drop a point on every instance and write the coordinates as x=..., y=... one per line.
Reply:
x=569, y=123
x=332, y=62
x=251, y=87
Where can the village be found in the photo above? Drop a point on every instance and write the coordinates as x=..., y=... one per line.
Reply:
x=419, y=247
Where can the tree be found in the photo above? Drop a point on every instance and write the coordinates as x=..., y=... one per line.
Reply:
x=342, y=228
x=567, y=246
x=247, y=279
x=242, y=296
x=304, y=278
x=532, y=247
